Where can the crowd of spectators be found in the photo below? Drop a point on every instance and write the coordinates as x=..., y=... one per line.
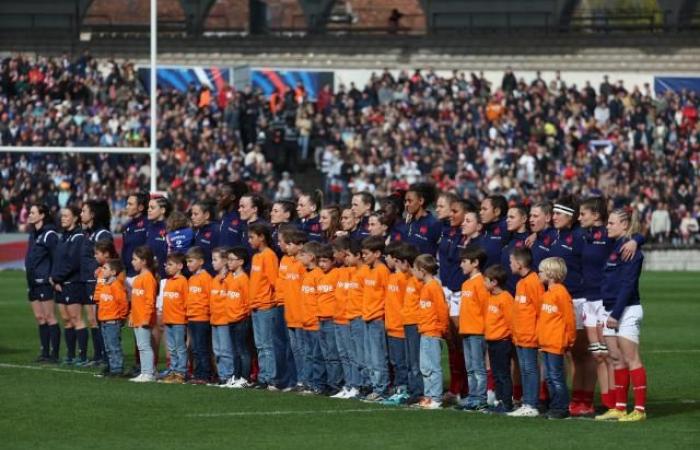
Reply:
x=527, y=140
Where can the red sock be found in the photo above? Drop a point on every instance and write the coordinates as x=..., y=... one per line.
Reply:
x=587, y=398
x=518, y=392
x=544, y=392
x=639, y=387
x=622, y=381
x=607, y=400
x=490, y=381
x=576, y=396
x=457, y=371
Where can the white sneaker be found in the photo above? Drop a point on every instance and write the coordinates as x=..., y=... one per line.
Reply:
x=143, y=378
x=229, y=384
x=353, y=393
x=241, y=383
x=343, y=393
x=429, y=403
x=491, y=398
x=524, y=411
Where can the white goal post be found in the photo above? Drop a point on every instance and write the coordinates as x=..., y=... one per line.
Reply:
x=152, y=150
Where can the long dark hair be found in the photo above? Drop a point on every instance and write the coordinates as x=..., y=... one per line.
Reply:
x=262, y=230
x=426, y=191
x=101, y=215
x=316, y=198
x=145, y=253
x=44, y=210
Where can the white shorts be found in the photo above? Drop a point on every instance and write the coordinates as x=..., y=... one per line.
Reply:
x=454, y=300
x=159, y=299
x=579, y=303
x=629, y=326
x=593, y=313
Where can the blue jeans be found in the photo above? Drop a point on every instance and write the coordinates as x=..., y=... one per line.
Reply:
x=357, y=352
x=263, y=325
x=430, y=367
x=285, y=374
x=200, y=335
x=342, y=341
x=529, y=374
x=329, y=350
x=412, y=342
x=376, y=356
x=143, y=343
x=177, y=348
x=314, y=369
x=556, y=381
x=112, y=337
x=239, y=332
x=474, y=359
x=500, y=353
x=296, y=345
x=223, y=351
x=397, y=358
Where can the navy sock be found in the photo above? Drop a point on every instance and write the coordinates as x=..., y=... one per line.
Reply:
x=97, y=344
x=44, y=339
x=82, y=342
x=55, y=339
x=70, y=342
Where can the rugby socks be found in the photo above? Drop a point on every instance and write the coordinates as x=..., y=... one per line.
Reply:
x=544, y=392
x=587, y=398
x=576, y=397
x=55, y=339
x=82, y=335
x=639, y=387
x=622, y=379
x=608, y=399
x=97, y=344
x=458, y=373
x=490, y=381
x=70, y=342
x=44, y=339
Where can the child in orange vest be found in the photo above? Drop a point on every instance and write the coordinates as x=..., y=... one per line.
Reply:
x=174, y=317
x=313, y=358
x=325, y=290
x=198, y=315
x=556, y=333
x=498, y=332
x=238, y=312
x=219, y=317
x=110, y=297
x=526, y=309
x=404, y=257
x=143, y=310
x=433, y=326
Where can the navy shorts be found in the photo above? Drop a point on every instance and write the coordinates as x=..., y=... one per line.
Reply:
x=89, y=293
x=72, y=294
x=40, y=292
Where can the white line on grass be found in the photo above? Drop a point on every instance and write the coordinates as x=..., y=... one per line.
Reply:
x=690, y=350
x=292, y=413
x=51, y=369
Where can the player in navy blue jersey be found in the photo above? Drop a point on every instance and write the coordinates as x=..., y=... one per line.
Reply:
x=65, y=278
x=623, y=317
x=597, y=247
x=283, y=212
x=423, y=230
x=330, y=222
x=516, y=222
x=179, y=234
x=362, y=205
x=206, y=232
x=230, y=225
x=43, y=240
x=134, y=232
x=377, y=227
x=95, y=219
x=308, y=208
x=159, y=209
x=348, y=223
x=492, y=214
x=392, y=209
x=543, y=234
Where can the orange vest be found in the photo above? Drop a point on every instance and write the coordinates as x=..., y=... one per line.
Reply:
x=472, y=310
x=556, y=325
x=499, y=317
x=291, y=285
x=218, y=314
x=309, y=299
x=175, y=294
x=199, y=297
x=410, y=312
x=143, y=300
x=526, y=307
x=395, y=292
x=374, y=292
x=434, y=313
x=237, y=296
x=111, y=300
x=356, y=291
x=326, y=294
x=263, y=276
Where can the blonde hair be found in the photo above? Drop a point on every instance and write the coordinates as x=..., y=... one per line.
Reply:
x=629, y=216
x=426, y=262
x=554, y=268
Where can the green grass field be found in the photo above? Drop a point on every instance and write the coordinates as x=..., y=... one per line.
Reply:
x=56, y=408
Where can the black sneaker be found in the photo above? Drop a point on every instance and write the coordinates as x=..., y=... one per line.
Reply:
x=260, y=386
x=557, y=414
x=52, y=360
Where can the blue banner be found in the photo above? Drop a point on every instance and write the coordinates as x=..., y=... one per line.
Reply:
x=181, y=78
x=270, y=81
x=676, y=84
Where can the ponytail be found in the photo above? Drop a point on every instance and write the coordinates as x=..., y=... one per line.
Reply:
x=145, y=253
x=630, y=217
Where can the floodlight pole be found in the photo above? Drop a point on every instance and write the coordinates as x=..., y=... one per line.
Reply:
x=154, y=107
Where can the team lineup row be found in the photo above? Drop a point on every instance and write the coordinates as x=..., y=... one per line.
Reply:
x=338, y=321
